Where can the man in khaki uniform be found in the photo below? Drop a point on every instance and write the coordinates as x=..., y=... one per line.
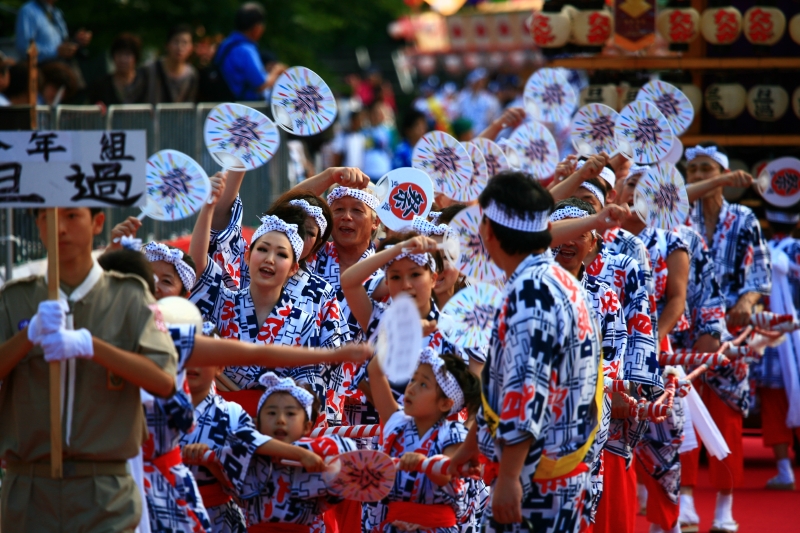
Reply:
x=126, y=347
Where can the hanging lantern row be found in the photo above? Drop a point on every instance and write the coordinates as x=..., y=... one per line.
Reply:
x=724, y=101
x=761, y=25
x=454, y=64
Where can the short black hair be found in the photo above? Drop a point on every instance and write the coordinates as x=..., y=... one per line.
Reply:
x=127, y=42
x=17, y=80
x=449, y=213
x=249, y=15
x=58, y=75
x=575, y=202
x=129, y=262
x=470, y=383
x=410, y=118
x=179, y=29
x=520, y=195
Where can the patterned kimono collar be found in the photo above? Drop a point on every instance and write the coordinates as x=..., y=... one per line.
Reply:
x=283, y=300
x=205, y=403
x=700, y=218
x=434, y=313
x=529, y=262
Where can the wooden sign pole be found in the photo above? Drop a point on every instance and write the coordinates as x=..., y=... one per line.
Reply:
x=53, y=277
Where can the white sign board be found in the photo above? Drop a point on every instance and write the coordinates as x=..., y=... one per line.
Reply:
x=72, y=168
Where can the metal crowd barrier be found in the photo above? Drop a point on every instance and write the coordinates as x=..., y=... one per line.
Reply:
x=174, y=126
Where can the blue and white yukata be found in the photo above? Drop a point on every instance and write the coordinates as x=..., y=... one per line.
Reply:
x=272, y=493
x=400, y=435
x=230, y=433
x=621, y=241
x=172, y=497
x=614, y=335
x=540, y=383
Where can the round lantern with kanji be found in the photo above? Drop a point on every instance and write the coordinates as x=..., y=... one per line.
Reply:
x=599, y=94
x=721, y=25
x=592, y=27
x=764, y=25
x=550, y=30
x=767, y=103
x=679, y=26
x=725, y=100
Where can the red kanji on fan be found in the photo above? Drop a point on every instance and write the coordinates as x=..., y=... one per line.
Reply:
x=760, y=26
x=599, y=28
x=726, y=23
x=681, y=29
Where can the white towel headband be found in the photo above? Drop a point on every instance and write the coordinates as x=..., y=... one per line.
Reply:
x=156, y=251
x=314, y=212
x=273, y=384
x=273, y=223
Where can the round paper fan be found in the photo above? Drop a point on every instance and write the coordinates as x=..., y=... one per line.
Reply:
x=494, y=156
x=177, y=187
x=537, y=149
x=445, y=160
x=472, y=312
x=672, y=103
x=302, y=103
x=660, y=198
x=474, y=261
x=641, y=125
x=592, y=130
x=239, y=137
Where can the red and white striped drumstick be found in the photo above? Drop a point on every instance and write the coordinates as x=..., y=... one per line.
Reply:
x=616, y=385
x=772, y=322
x=354, y=432
x=691, y=358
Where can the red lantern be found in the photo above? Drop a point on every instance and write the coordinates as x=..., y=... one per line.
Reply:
x=550, y=30
x=679, y=26
x=764, y=25
x=721, y=25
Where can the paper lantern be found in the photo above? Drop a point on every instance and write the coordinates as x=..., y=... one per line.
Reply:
x=627, y=95
x=599, y=94
x=721, y=25
x=426, y=64
x=794, y=28
x=679, y=25
x=764, y=25
x=725, y=100
x=550, y=30
x=796, y=102
x=767, y=103
x=592, y=27
x=693, y=93
x=452, y=63
x=472, y=61
x=516, y=58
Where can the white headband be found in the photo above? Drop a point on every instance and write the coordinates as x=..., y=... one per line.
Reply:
x=358, y=194
x=636, y=170
x=597, y=193
x=568, y=211
x=607, y=174
x=314, y=212
x=529, y=225
x=273, y=223
x=129, y=242
x=273, y=384
x=420, y=259
x=423, y=227
x=446, y=380
x=782, y=217
x=434, y=216
x=711, y=151
x=155, y=251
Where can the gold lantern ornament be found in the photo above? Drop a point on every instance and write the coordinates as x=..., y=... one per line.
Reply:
x=764, y=25
x=725, y=100
x=592, y=27
x=550, y=30
x=794, y=28
x=796, y=102
x=721, y=25
x=693, y=93
x=767, y=103
x=599, y=94
x=679, y=26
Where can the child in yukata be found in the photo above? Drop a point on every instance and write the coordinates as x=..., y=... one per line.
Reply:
x=432, y=503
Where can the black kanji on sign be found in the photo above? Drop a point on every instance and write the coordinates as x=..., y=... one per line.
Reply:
x=112, y=147
x=44, y=144
x=10, y=174
x=4, y=146
x=243, y=132
x=408, y=201
x=107, y=185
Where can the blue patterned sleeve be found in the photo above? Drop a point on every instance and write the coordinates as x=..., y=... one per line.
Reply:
x=755, y=267
x=209, y=293
x=227, y=247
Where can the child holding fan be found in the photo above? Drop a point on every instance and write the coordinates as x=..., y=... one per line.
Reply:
x=440, y=387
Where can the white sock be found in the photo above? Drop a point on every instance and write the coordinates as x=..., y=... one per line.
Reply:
x=655, y=528
x=688, y=513
x=723, y=514
x=785, y=472
x=641, y=494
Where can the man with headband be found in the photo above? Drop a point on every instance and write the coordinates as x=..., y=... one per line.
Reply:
x=542, y=385
x=741, y=262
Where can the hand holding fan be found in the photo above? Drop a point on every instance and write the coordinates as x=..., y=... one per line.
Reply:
x=302, y=103
x=403, y=194
x=471, y=314
x=646, y=130
x=399, y=339
x=239, y=137
x=660, y=197
x=474, y=261
x=445, y=160
x=450, y=245
x=779, y=182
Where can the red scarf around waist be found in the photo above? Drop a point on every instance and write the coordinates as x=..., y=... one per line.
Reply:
x=277, y=527
x=424, y=515
x=248, y=399
x=213, y=495
x=165, y=462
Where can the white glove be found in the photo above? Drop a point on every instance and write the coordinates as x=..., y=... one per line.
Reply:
x=50, y=317
x=68, y=344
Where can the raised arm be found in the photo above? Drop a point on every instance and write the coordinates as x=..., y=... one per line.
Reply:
x=134, y=368
x=201, y=235
x=737, y=178
x=222, y=209
x=226, y=352
x=678, y=265
x=382, y=397
x=590, y=169
x=565, y=230
x=345, y=176
x=511, y=118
